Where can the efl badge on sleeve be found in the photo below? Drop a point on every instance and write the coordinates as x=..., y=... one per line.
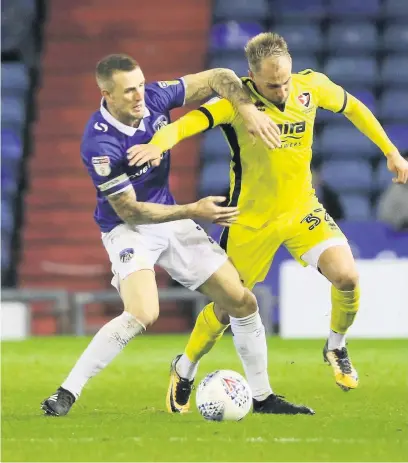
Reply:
x=304, y=99
x=102, y=165
x=167, y=83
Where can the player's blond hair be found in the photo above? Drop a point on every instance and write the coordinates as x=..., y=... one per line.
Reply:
x=110, y=64
x=265, y=45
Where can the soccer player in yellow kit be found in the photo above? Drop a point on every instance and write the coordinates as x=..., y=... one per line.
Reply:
x=277, y=203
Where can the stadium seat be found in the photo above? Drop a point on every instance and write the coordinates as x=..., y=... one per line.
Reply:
x=356, y=207
x=304, y=61
x=14, y=78
x=352, y=70
x=214, y=178
x=346, y=176
x=298, y=9
x=353, y=8
x=241, y=9
x=13, y=111
x=397, y=9
x=16, y=23
x=7, y=216
x=301, y=37
x=395, y=38
x=383, y=177
x=214, y=146
x=395, y=70
x=394, y=105
x=237, y=64
x=232, y=35
x=345, y=141
x=352, y=37
x=398, y=134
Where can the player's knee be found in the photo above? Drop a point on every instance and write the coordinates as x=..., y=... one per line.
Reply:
x=244, y=306
x=346, y=280
x=146, y=317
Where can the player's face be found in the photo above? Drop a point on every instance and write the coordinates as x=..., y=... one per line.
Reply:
x=127, y=96
x=273, y=78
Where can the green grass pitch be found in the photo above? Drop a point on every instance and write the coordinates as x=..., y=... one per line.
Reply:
x=121, y=414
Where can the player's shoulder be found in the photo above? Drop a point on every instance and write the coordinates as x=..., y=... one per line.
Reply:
x=309, y=77
x=157, y=93
x=98, y=133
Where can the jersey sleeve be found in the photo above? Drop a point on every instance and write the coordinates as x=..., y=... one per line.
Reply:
x=104, y=162
x=218, y=111
x=330, y=95
x=168, y=94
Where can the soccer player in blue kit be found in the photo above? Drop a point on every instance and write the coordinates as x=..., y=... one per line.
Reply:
x=142, y=226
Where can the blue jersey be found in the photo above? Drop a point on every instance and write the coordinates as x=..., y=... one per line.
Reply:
x=104, y=146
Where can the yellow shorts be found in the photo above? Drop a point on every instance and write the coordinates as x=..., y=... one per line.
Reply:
x=305, y=234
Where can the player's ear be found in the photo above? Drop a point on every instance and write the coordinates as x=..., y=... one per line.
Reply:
x=106, y=95
x=251, y=74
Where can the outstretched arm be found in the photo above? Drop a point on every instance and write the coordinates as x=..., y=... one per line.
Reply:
x=226, y=84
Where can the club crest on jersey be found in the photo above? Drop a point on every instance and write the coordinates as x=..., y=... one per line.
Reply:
x=159, y=123
x=101, y=165
x=305, y=98
x=126, y=255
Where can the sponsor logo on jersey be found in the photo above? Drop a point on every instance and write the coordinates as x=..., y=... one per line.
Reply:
x=305, y=99
x=167, y=83
x=101, y=165
x=292, y=130
x=160, y=122
x=101, y=126
x=126, y=255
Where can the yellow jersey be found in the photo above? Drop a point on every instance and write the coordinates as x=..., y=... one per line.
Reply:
x=268, y=184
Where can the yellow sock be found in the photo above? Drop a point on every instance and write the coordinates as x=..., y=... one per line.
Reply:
x=207, y=331
x=345, y=305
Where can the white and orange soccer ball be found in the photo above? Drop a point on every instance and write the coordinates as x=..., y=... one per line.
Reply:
x=223, y=395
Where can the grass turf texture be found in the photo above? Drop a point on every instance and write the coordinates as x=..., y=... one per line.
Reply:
x=121, y=414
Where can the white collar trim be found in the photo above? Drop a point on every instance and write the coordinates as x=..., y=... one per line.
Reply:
x=126, y=129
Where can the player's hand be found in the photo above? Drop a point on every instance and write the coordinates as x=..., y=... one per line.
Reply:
x=140, y=154
x=260, y=125
x=399, y=166
x=208, y=209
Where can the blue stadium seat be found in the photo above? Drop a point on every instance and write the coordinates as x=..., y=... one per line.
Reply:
x=394, y=105
x=301, y=37
x=14, y=78
x=13, y=111
x=5, y=251
x=298, y=9
x=353, y=8
x=214, y=146
x=345, y=141
x=397, y=9
x=383, y=177
x=237, y=64
x=356, y=207
x=304, y=61
x=395, y=38
x=346, y=176
x=7, y=216
x=352, y=37
x=242, y=9
x=232, y=35
x=11, y=144
x=214, y=178
x=16, y=24
x=398, y=134
x=352, y=70
x=395, y=70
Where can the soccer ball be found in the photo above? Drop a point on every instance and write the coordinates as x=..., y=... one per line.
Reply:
x=223, y=395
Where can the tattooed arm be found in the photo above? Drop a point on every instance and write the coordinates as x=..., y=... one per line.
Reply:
x=228, y=85
x=135, y=212
x=224, y=82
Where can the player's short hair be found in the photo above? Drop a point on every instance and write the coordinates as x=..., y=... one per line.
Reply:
x=265, y=45
x=110, y=64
